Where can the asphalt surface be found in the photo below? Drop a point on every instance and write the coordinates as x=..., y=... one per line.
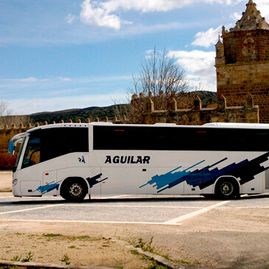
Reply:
x=119, y=209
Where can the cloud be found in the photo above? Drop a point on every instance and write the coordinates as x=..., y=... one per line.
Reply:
x=263, y=6
x=236, y=16
x=147, y=6
x=28, y=80
x=70, y=18
x=67, y=79
x=208, y=38
x=199, y=67
x=102, y=13
x=97, y=15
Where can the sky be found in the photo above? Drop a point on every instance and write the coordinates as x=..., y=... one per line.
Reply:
x=62, y=54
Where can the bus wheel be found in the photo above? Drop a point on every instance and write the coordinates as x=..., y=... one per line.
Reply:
x=74, y=190
x=227, y=188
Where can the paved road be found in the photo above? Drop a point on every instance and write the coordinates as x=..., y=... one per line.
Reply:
x=161, y=211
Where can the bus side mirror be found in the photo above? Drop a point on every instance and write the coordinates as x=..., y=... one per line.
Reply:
x=11, y=147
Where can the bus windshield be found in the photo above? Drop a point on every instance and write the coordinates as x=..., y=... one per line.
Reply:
x=32, y=152
x=15, y=145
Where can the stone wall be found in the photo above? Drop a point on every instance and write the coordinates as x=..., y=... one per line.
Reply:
x=7, y=161
x=148, y=112
x=236, y=82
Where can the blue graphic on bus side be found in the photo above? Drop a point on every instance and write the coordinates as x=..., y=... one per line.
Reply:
x=48, y=187
x=55, y=185
x=245, y=171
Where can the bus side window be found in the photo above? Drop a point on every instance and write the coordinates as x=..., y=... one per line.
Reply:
x=32, y=153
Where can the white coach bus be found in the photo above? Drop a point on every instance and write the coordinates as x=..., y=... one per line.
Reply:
x=75, y=160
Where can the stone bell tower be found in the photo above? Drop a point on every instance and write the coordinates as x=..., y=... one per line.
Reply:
x=242, y=62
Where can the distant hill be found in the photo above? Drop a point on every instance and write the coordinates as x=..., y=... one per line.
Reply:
x=207, y=97
x=81, y=113
x=102, y=112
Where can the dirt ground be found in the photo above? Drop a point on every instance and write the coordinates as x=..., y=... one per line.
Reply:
x=5, y=181
x=208, y=242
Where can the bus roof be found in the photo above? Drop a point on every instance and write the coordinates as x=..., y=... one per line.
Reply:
x=207, y=125
x=58, y=125
x=237, y=125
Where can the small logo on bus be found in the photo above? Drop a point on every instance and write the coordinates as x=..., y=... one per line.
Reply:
x=81, y=159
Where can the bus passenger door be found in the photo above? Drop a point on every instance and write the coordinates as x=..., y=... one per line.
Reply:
x=31, y=181
x=30, y=174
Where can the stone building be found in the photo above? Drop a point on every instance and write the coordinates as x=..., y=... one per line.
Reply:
x=242, y=67
x=242, y=62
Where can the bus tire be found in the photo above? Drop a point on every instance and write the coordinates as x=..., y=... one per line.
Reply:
x=227, y=188
x=74, y=189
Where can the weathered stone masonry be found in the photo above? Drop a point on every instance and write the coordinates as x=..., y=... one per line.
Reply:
x=242, y=61
x=175, y=112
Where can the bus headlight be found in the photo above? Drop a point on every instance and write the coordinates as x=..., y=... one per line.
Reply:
x=14, y=182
